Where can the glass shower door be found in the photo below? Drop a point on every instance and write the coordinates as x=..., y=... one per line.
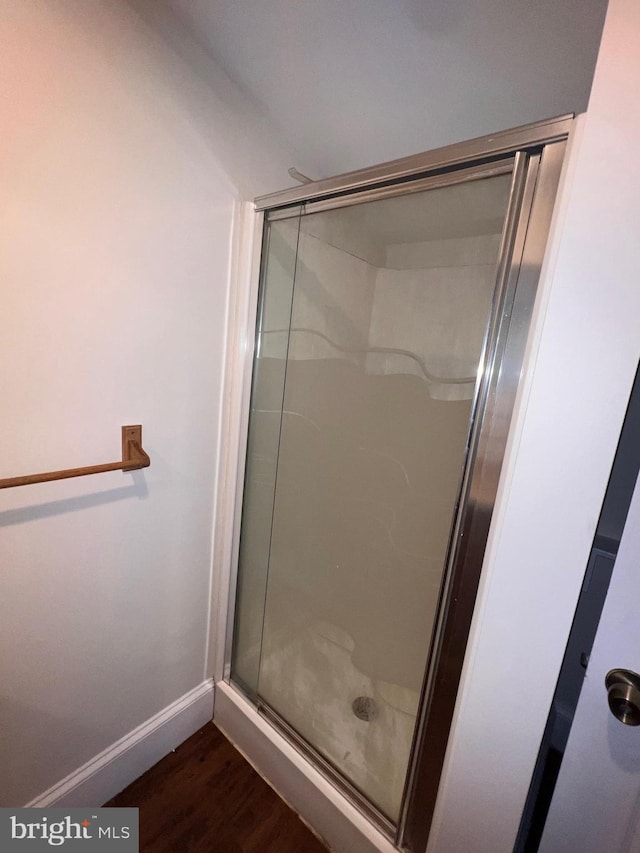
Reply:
x=373, y=323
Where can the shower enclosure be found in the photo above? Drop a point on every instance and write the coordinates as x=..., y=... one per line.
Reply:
x=393, y=310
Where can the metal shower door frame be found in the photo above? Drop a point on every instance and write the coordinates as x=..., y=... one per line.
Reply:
x=536, y=153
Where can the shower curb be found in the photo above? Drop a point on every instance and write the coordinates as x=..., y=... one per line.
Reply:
x=321, y=806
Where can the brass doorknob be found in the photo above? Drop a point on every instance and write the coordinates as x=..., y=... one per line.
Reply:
x=623, y=694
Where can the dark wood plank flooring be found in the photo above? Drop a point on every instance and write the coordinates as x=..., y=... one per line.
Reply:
x=206, y=798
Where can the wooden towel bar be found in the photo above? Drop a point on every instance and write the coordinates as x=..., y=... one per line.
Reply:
x=133, y=457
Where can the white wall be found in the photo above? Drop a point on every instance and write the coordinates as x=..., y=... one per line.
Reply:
x=115, y=235
x=579, y=373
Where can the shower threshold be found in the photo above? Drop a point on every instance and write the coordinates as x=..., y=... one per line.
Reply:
x=337, y=812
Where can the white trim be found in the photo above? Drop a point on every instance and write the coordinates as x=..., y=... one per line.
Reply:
x=319, y=804
x=218, y=589
x=118, y=765
x=243, y=303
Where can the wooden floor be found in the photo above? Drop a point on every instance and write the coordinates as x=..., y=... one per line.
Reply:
x=205, y=798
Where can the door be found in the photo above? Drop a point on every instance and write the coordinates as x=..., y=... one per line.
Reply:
x=596, y=803
x=374, y=326
x=392, y=321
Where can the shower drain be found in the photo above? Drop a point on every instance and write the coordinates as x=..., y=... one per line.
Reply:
x=365, y=708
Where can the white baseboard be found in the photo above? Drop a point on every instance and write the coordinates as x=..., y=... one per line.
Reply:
x=114, y=768
x=319, y=804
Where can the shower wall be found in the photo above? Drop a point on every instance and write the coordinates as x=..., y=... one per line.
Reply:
x=360, y=412
x=427, y=300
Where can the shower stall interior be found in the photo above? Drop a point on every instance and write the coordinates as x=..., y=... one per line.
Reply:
x=393, y=311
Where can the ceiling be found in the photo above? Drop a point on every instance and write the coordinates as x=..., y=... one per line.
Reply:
x=349, y=83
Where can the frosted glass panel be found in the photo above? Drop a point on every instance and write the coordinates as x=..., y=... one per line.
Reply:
x=376, y=366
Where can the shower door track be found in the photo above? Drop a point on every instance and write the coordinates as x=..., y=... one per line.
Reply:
x=534, y=153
